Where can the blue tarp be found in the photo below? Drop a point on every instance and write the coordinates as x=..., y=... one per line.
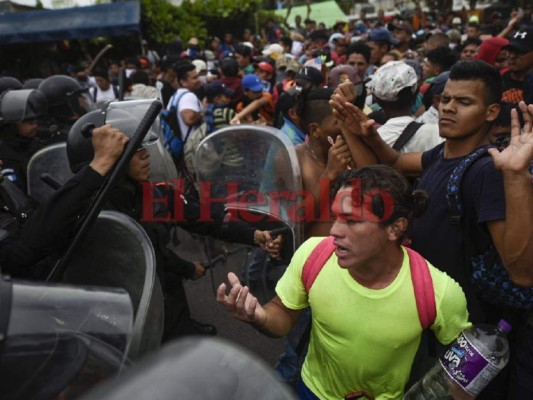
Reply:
x=115, y=19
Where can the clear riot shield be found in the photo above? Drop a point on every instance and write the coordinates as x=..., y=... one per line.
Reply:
x=118, y=253
x=253, y=170
x=125, y=115
x=197, y=368
x=48, y=168
x=59, y=341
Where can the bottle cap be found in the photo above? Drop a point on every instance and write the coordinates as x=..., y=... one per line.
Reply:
x=505, y=326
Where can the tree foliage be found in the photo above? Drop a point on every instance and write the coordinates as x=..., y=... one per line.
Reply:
x=162, y=22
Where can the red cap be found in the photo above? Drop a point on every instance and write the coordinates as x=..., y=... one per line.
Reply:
x=265, y=67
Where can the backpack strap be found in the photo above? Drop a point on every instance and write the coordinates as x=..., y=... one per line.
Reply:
x=316, y=260
x=407, y=134
x=116, y=92
x=453, y=189
x=420, y=276
x=95, y=89
x=424, y=290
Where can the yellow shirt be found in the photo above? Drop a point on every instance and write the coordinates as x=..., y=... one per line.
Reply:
x=364, y=339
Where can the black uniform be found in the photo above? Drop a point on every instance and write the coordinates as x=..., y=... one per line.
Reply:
x=172, y=269
x=48, y=230
x=15, y=153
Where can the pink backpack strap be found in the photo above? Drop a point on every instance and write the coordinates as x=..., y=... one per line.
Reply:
x=316, y=260
x=423, y=286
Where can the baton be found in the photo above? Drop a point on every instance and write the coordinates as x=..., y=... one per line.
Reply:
x=101, y=197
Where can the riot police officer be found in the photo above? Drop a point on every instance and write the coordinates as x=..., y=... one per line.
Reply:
x=127, y=198
x=67, y=101
x=19, y=114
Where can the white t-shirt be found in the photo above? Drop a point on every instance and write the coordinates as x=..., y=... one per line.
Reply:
x=108, y=94
x=188, y=101
x=431, y=116
x=424, y=139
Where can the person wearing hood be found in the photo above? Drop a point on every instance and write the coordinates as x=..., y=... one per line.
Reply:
x=492, y=52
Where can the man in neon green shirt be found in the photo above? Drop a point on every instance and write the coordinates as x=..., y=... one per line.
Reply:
x=365, y=328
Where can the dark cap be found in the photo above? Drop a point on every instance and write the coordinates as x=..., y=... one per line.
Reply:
x=404, y=27
x=437, y=86
x=310, y=74
x=382, y=35
x=522, y=40
x=215, y=88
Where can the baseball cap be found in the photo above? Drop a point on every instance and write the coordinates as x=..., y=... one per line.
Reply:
x=252, y=82
x=456, y=21
x=200, y=65
x=271, y=49
x=342, y=72
x=293, y=65
x=391, y=78
x=264, y=66
x=216, y=87
x=437, y=86
x=310, y=74
x=404, y=27
x=522, y=40
x=382, y=35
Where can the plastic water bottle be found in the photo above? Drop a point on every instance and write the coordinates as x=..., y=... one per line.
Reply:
x=469, y=364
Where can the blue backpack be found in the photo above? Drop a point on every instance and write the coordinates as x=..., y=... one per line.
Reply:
x=170, y=127
x=489, y=276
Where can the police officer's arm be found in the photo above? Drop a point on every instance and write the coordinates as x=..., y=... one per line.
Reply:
x=354, y=122
x=49, y=228
x=225, y=227
x=513, y=237
x=108, y=144
x=274, y=319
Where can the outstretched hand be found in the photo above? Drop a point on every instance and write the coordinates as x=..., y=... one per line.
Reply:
x=351, y=120
x=518, y=155
x=240, y=303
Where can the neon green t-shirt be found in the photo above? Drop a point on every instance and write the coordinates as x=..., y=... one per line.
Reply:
x=364, y=339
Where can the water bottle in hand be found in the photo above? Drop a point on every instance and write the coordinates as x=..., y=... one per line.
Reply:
x=470, y=363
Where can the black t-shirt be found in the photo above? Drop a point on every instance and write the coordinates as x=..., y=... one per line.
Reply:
x=513, y=90
x=166, y=91
x=483, y=200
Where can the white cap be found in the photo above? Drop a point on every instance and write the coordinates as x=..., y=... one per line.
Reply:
x=272, y=48
x=391, y=78
x=200, y=65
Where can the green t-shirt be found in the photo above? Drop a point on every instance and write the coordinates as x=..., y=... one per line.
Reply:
x=364, y=339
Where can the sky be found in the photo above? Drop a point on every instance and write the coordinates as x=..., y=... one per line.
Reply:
x=48, y=3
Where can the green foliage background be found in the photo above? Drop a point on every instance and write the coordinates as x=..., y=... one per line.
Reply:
x=162, y=22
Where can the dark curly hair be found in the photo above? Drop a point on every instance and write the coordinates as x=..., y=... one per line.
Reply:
x=381, y=179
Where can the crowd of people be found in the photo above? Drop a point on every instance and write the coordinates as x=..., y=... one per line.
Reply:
x=375, y=109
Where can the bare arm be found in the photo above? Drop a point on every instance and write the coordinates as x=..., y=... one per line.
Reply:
x=360, y=153
x=515, y=19
x=191, y=117
x=250, y=108
x=274, y=319
x=513, y=238
x=355, y=123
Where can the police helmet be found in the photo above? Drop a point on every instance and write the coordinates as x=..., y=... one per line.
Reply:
x=124, y=116
x=21, y=105
x=9, y=83
x=67, y=99
x=32, y=83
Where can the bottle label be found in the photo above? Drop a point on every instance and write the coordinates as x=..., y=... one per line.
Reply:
x=467, y=366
